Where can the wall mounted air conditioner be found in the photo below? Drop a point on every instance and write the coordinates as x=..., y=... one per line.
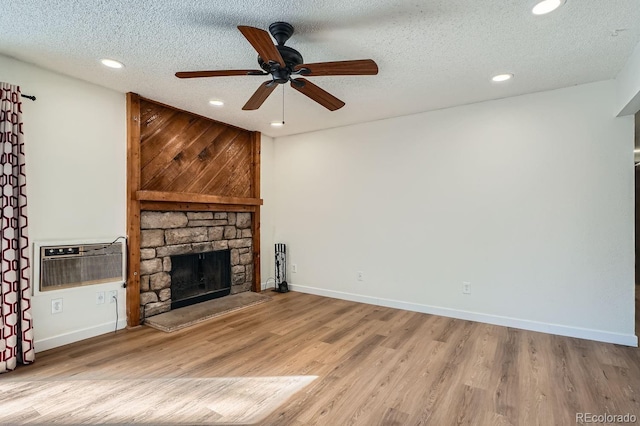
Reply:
x=61, y=266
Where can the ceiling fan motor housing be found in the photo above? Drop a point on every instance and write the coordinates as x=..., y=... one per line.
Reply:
x=282, y=31
x=290, y=56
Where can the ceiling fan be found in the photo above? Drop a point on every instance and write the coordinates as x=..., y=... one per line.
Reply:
x=283, y=63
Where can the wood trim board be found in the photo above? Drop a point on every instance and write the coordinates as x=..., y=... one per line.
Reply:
x=187, y=197
x=133, y=210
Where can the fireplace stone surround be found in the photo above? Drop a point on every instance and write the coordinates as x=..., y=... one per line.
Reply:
x=166, y=234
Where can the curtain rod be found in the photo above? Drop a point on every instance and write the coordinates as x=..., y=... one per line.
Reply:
x=33, y=98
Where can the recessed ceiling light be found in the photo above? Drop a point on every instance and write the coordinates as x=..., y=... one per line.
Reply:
x=111, y=63
x=277, y=123
x=546, y=6
x=216, y=102
x=502, y=77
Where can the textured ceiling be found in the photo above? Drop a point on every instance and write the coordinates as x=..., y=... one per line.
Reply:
x=431, y=53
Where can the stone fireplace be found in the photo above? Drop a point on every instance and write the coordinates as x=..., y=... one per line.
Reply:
x=221, y=243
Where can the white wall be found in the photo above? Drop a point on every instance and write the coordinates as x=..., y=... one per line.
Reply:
x=267, y=211
x=530, y=199
x=75, y=136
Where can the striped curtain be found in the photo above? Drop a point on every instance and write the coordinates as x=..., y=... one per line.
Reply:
x=16, y=324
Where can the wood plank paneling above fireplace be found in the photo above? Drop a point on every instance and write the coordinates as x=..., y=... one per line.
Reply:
x=180, y=161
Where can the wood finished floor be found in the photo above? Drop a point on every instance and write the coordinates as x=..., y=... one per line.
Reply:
x=375, y=365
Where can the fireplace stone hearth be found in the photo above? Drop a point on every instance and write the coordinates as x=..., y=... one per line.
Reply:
x=166, y=234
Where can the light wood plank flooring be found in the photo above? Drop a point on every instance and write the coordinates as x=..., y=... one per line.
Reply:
x=375, y=365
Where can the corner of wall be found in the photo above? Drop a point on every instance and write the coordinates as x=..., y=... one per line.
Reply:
x=628, y=85
x=267, y=211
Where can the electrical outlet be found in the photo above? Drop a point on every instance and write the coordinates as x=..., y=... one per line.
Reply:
x=360, y=275
x=113, y=295
x=56, y=306
x=466, y=287
x=99, y=297
x=294, y=267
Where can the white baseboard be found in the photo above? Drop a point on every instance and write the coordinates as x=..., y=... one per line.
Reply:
x=77, y=335
x=561, y=330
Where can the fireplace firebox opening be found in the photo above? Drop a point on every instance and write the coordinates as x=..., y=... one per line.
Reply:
x=199, y=277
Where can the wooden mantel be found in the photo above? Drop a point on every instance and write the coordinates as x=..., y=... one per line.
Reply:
x=180, y=161
x=187, y=197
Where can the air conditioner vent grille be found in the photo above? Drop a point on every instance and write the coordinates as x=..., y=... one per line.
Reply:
x=79, y=265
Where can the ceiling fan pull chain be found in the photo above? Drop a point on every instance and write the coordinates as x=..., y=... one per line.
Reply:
x=283, y=104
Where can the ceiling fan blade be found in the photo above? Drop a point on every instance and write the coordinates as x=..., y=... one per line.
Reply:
x=222, y=73
x=260, y=95
x=357, y=67
x=319, y=95
x=261, y=41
